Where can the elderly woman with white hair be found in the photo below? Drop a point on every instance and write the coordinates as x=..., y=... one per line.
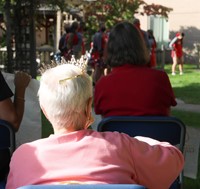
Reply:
x=75, y=154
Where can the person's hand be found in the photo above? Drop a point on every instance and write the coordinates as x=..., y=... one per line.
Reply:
x=22, y=79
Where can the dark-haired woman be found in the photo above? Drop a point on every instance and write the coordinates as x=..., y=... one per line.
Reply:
x=132, y=88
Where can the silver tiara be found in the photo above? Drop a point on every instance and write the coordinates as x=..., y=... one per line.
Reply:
x=80, y=63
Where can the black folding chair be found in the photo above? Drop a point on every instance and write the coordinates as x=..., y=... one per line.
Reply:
x=162, y=128
x=7, y=136
x=7, y=147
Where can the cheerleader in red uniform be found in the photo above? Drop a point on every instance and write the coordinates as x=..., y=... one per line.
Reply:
x=177, y=52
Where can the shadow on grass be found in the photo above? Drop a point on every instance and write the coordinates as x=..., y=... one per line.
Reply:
x=189, y=94
x=190, y=119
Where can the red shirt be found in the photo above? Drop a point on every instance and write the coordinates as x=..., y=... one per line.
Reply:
x=134, y=90
x=178, y=49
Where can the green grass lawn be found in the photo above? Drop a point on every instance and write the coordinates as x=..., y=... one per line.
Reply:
x=191, y=119
x=187, y=86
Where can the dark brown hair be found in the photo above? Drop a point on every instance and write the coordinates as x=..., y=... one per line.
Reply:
x=126, y=46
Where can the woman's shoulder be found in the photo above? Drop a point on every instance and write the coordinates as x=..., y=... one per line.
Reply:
x=157, y=71
x=112, y=136
x=153, y=74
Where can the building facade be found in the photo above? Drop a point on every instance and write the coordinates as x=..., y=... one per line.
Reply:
x=185, y=18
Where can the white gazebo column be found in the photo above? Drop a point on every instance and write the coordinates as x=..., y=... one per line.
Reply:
x=58, y=28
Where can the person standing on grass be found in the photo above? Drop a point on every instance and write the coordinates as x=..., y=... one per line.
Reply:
x=99, y=44
x=136, y=23
x=153, y=44
x=62, y=42
x=177, y=52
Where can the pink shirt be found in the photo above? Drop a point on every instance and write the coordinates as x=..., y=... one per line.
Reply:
x=92, y=157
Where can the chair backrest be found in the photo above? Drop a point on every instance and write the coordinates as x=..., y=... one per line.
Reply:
x=85, y=186
x=162, y=128
x=7, y=136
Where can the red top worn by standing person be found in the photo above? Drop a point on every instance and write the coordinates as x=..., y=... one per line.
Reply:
x=97, y=54
x=153, y=46
x=177, y=46
x=99, y=43
x=74, y=42
x=153, y=63
x=177, y=52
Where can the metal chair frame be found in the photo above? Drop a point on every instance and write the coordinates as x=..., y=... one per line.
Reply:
x=7, y=136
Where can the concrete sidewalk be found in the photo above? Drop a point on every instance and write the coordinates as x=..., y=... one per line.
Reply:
x=181, y=105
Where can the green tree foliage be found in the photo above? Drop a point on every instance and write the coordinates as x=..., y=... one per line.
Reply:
x=95, y=12
x=112, y=11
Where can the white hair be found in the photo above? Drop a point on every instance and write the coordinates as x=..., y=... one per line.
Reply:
x=65, y=103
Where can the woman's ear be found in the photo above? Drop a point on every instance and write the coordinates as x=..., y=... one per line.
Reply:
x=88, y=109
x=88, y=114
